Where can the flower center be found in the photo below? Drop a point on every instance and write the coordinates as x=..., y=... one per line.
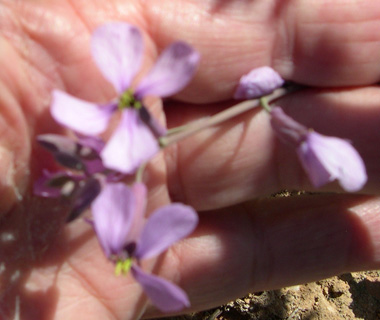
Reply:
x=123, y=266
x=128, y=100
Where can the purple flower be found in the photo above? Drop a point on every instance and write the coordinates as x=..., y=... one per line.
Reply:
x=118, y=220
x=257, y=83
x=117, y=49
x=80, y=182
x=324, y=158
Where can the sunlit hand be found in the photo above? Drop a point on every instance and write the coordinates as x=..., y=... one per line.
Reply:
x=50, y=270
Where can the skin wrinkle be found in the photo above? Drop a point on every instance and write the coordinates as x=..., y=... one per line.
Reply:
x=13, y=166
x=91, y=290
x=262, y=269
x=180, y=194
x=78, y=13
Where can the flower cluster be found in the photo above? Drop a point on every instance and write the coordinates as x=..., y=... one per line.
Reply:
x=93, y=170
x=323, y=158
x=117, y=49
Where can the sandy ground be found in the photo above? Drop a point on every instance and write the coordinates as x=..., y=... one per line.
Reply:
x=349, y=296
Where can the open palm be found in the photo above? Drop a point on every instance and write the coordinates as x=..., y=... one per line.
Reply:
x=50, y=270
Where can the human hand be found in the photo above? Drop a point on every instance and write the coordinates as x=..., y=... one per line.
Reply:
x=53, y=272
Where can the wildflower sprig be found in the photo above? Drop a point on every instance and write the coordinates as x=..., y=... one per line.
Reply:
x=93, y=171
x=323, y=158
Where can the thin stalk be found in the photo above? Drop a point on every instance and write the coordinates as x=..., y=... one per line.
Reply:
x=222, y=116
x=140, y=172
x=264, y=103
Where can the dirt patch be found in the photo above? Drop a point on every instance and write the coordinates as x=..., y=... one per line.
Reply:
x=346, y=297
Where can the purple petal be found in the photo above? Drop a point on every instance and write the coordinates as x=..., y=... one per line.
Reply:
x=286, y=128
x=165, y=295
x=87, y=192
x=69, y=161
x=90, y=153
x=81, y=116
x=65, y=150
x=166, y=226
x=157, y=129
x=42, y=188
x=58, y=143
x=91, y=142
x=113, y=212
x=328, y=158
x=132, y=144
x=93, y=166
x=117, y=49
x=140, y=193
x=54, y=185
x=259, y=82
x=172, y=72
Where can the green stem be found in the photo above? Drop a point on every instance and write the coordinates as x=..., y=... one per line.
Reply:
x=223, y=116
x=264, y=103
x=140, y=172
x=178, y=129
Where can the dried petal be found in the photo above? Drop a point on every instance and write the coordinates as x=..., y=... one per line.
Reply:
x=69, y=161
x=88, y=190
x=42, y=188
x=58, y=143
x=165, y=295
x=117, y=49
x=164, y=227
x=257, y=83
x=171, y=73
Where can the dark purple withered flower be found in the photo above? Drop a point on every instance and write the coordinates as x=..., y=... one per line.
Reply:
x=80, y=182
x=324, y=158
x=257, y=83
x=117, y=49
x=127, y=238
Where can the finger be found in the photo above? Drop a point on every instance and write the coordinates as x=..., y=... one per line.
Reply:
x=329, y=43
x=243, y=158
x=273, y=243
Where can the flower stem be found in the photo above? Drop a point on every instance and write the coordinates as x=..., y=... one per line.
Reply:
x=264, y=103
x=188, y=130
x=140, y=172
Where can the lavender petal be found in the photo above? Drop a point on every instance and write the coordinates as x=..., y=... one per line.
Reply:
x=79, y=115
x=140, y=193
x=117, y=49
x=165, y=295
x=164, y=227
x=258, y=82
x=131, y=144
x=287, y=129
x=113, y=212
x=328, y=158
x=172, y=72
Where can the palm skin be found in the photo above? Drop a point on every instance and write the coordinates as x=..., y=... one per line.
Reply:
x=53, y=271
